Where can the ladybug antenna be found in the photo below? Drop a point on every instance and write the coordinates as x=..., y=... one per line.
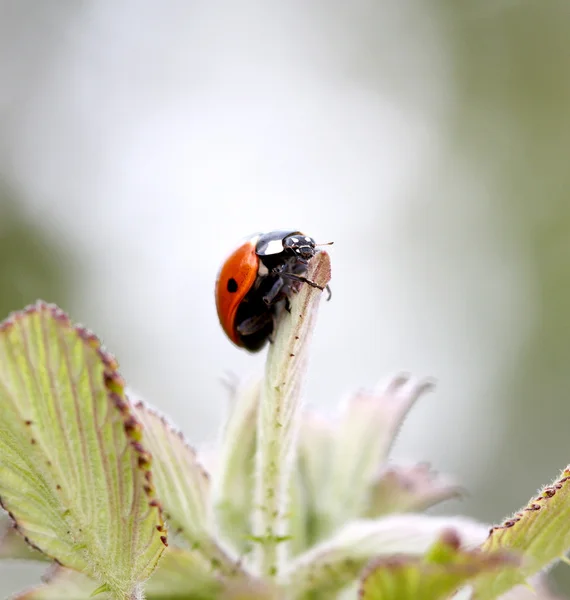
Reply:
x=325, y=244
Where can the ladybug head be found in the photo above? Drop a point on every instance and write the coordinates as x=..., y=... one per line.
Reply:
x=300, y=245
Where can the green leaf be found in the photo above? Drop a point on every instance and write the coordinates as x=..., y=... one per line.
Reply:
x=366, y=433
x=537, y=588
x=332, y=564
x=183, y=487
x=73, y=472
x=445, y=568
x=232, y=486
x=252, y=590
x=63, y=584
x=316, y=440
x=183, y=574
x=102, y=589
x=534, y=590
x=180, y=575
x=14, y=546
x=540, y=532
x=408, y=489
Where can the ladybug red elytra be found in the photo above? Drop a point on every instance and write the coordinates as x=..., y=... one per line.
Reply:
x=257, y=279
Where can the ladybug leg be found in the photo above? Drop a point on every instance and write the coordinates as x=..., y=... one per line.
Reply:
x=328, y=289
x=274, y=292
x=254, y=324
x=295, y=277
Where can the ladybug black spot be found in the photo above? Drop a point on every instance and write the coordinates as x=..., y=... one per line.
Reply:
x=232, y=285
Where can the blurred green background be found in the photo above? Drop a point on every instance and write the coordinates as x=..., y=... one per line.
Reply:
x=431, y=141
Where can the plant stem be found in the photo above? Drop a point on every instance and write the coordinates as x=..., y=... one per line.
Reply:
x=279, y=418
x=137, y=594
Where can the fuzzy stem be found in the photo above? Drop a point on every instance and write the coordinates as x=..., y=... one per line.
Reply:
x=278, y=420
x=137, y=594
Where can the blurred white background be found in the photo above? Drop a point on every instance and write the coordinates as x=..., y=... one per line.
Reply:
x=145, y=139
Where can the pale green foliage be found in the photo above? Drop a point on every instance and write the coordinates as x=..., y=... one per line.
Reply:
x=540, y=533
x=179, y=572
x=14, y=546
x=62, y=584
x=293, y=506
x=184, y=488
x=332, y=564
x=365, y=434
x=234, y=475
x=408, y=488
x=435, y=576
x=73, y=474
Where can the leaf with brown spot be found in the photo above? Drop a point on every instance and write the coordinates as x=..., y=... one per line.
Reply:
x=73, y=473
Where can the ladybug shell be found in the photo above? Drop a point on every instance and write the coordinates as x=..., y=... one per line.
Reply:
x=235, y=279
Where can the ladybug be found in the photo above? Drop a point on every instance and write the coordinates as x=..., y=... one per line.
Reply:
x=257, y=279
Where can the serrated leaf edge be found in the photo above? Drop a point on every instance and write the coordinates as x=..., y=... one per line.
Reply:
x=115, y=386
x=140, y=404
x=536, y=504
